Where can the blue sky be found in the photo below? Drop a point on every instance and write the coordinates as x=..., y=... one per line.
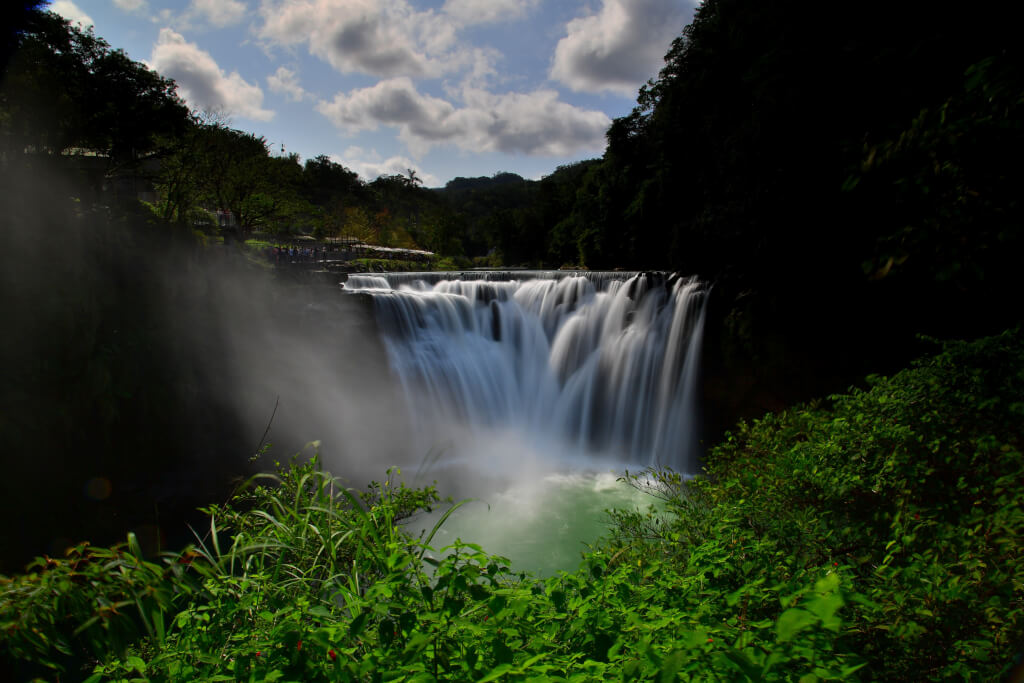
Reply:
x=446, y=87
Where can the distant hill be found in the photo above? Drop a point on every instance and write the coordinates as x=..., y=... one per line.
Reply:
x=460, y=184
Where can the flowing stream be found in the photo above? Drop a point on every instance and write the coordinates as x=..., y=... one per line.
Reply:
x=544, y=381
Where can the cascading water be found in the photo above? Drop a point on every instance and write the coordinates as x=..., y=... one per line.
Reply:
x=597, y=366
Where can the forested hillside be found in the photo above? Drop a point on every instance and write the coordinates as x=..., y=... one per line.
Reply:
x=786, y=143
x=117, y=132
x=846, y=178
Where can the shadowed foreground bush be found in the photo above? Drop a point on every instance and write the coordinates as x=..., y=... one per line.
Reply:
x=877, y=536
x=908, y=492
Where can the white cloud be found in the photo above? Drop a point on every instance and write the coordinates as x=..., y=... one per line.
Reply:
x=202, y=83
x=393, y=102
x=481, y=66
x=621, y=46
x=374, y=168
x=286, y=82
x=72, y=13
x=218, y=13
x=535, y=123
x=385, y=38
x=130, y=5
x=468, y=12
x=199, y=15
x=356, y=152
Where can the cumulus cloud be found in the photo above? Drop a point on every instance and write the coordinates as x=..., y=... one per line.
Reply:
x=285, y=82
x=392, y=102
x=620, y=47
x=468, y=12
x=199, y=15
x=72, y=13
x=535, y=123
x=356, y=152
x=218, y=13
x=373, y=168
x=384, y=38
x=202, y=83
x=130, y=5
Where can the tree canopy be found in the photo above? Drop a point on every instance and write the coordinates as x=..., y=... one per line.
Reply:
x=66, y=88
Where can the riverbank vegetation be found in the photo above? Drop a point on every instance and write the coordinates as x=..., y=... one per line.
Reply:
x=877, y=535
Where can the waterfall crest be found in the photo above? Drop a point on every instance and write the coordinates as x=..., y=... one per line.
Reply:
x=595, y=365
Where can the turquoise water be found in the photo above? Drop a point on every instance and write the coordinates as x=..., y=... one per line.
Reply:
x=542, y=525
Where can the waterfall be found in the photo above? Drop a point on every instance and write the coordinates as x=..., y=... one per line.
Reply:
x=594, y=365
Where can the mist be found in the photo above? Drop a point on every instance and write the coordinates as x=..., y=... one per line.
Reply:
x=143, y=370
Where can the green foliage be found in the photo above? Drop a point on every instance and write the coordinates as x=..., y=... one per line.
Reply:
x=510, y=220
x=877, y=537
x=949, y=183
x=450, y=263
x=733, y=160
x=379, y=265
x=94, y=602
x=66, y=88
x=215, y=167
x=906, y=490
x=329, y=184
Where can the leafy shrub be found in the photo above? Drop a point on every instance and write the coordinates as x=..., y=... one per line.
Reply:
x=909, y=491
